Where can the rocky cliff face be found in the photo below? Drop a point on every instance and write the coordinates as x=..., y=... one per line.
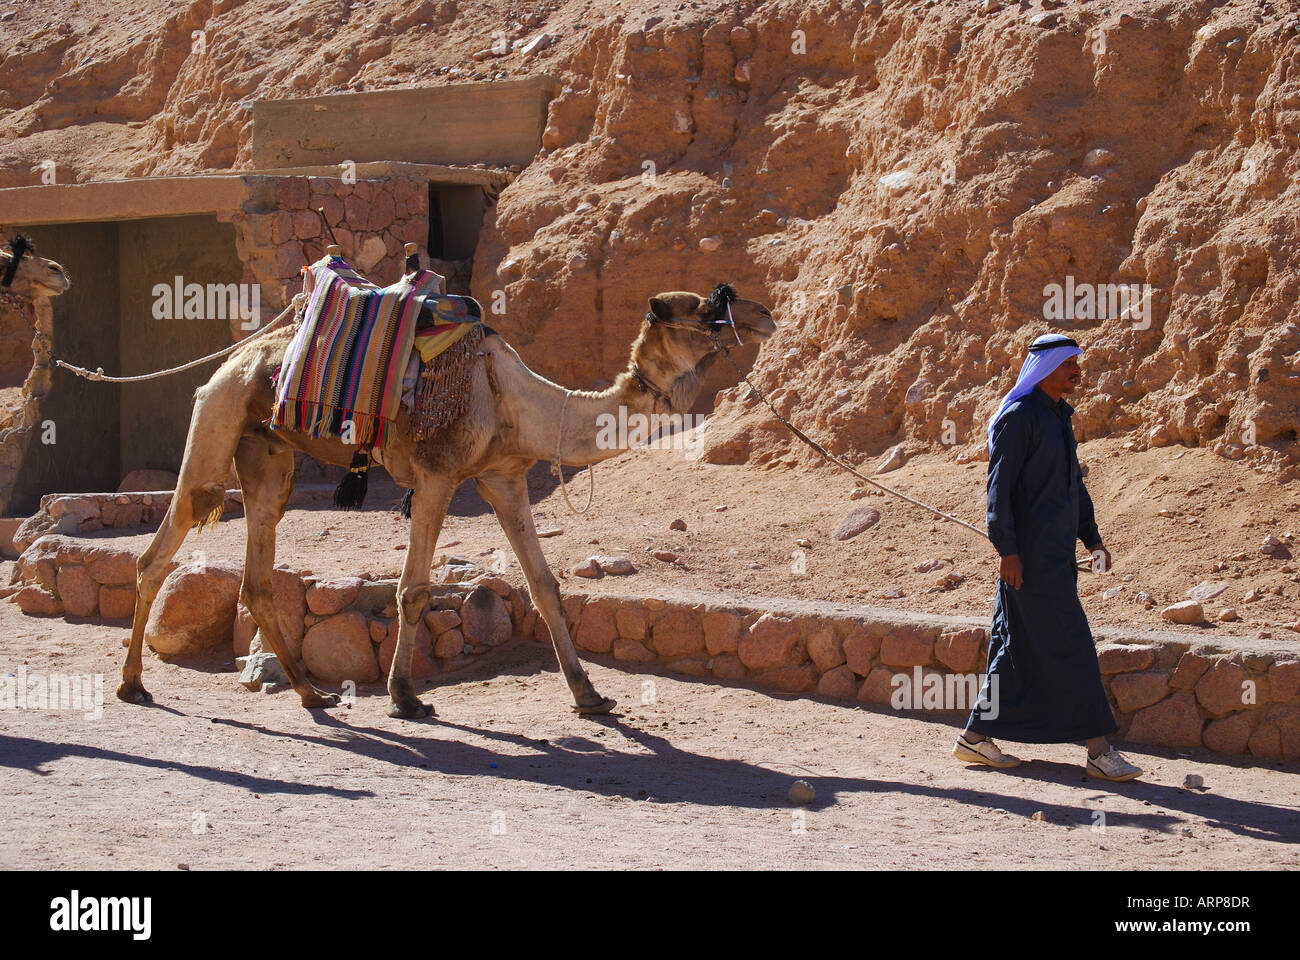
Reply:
x=913, y=188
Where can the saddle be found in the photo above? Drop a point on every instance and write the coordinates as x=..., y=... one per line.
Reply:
x=361, y=351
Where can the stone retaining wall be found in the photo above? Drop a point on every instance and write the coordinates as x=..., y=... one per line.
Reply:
x=1230, y=697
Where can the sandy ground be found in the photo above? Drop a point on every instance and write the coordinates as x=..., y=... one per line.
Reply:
x=213, y=776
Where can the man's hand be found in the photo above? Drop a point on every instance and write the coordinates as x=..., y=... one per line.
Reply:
x=1011, y=572
x=1100, y=564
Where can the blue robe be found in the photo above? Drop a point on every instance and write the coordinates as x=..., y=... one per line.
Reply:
x=1049, y=686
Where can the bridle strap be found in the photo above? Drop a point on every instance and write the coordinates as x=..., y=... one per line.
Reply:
x=650, y=387
x=17, y=247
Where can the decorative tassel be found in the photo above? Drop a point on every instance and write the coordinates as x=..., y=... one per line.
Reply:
x=404, y=508
x=350, y=494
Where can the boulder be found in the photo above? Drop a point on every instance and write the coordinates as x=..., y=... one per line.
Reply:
x=451, y=644
x=597, y=629
x=194, y=611
x=77, y=592
x=677, y=633
x=722, y=631
x=1124, y=657
x=1133, y=691
x=825, y=649
x=338, y=648
x=771, y=642
x=327, y=597
x=1220, y=690
x=422, y=665
x=484, y=618
x=36, y=601
x=860, y=649
x=1174, y=722
x=908, y=646
x=791, y=679
x=962, y=650
x=838, y=682
x=261, y=668
x=632, y=622
x=728, y=667
x=117, y=602
x=631, y=650
x=1230, y=734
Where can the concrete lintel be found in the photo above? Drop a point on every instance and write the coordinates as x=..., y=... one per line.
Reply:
x=381, y=169
x=135, y=199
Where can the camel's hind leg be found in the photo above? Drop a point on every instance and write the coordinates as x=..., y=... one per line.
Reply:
x=200, y=495
x=429, y=501
x=508, y=496
x=266, y=477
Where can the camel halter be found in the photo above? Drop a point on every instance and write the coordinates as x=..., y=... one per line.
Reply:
x=558, y=467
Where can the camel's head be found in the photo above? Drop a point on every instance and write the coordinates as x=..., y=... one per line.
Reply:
x=26, y=275
x=684, y=332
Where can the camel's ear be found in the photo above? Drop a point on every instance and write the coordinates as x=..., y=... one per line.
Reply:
x=661, y=309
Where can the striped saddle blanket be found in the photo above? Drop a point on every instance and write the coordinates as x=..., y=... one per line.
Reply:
x=353, y=354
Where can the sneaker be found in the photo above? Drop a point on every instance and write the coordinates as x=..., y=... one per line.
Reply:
x=985, y=751
x=1112, y=766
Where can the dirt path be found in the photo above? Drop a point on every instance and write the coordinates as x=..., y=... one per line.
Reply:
x=507, y=777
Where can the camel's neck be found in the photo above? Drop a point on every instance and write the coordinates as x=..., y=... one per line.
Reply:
x=596, y=425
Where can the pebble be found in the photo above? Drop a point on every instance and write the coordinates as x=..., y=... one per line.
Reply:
x=1112, y=593
x=615, y=566
x=1227, y=615
x=803, y=542
x=1193, y=781
x=856, y=521
x=1039, y=815
x=589, y=568
x=858, y=493
x=550, y=532
x=925, y=566
x=1189, y=611
x=678, y=524
x=801, y=792
x=720, y=507
x=667, y=556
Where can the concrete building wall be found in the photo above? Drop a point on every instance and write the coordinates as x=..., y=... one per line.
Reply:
x=155, y=415
x=458, y=123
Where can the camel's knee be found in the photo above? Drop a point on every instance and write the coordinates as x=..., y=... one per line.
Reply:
x=256, y=596
x=414, y=601
x=207, y=502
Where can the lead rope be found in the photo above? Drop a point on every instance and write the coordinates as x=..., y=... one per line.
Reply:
x=830, y=456
x=98, y=373
x=559, y=467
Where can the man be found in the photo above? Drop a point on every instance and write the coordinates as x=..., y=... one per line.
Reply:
x=1048, y=687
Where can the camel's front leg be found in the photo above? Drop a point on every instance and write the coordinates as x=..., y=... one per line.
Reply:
x=508, y=496
x=429, y=502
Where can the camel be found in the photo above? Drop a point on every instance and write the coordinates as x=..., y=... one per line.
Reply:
x=513, y=419
x=34, y=278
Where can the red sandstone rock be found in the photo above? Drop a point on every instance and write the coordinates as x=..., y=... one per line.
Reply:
x=789, y=679
x=908, y=646
x=597, y=629
x=116, y=602
x=440, y=621
x=77, y=592
x=838, y=682
x=1133, y=691
x=450, y=644
x=878, y=687
x=632, y=622
x=1220, y=689
x=194, y=611
x=632, y=651
x=693, y=666
x=338, y=648
x=1175, y=722
x=327, y=597
x=771, y=642
x=1284, y=681
x=962, y=650
x=1190, y=668
x=36, y=601
x=677, y=633
x=1230, y=734
x=860, y=649
x=422, y=666
x=825, y=649
x=722, y=631
x=728, y=667
x=1124, y=657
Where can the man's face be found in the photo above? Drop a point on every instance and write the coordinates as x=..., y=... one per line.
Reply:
x=1064, y=378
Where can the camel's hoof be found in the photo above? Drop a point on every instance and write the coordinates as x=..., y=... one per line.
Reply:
x=410, y=710
x=320, y=701
x=133, y=693
x=605, y=706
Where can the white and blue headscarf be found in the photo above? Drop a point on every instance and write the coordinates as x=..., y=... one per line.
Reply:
x=1045, y=354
